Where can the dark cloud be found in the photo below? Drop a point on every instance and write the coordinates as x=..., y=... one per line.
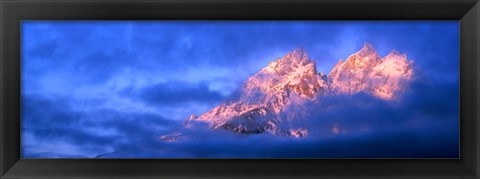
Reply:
x=222, y=43
x=429, y=106
x=52, y=120
x=76, y=136
x=175, y=93
x=49, y=154
x=103, y=49
x=97, y=67
x=415, y=126
x=39, y=111
x=222, y=144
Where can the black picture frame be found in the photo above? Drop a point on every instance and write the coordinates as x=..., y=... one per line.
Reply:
x=14, y=11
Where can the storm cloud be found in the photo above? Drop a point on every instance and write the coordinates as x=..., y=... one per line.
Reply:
x=175, y=93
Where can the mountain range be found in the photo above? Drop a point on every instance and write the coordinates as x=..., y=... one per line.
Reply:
x=287, y=89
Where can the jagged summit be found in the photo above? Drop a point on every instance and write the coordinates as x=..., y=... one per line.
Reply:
x=396, y=53
x=297, y=59
x=367, y=71
x=265, y=96
x=367, y=55
x=298, y=55
x=295, y=72
x=366, y=49
x=283, y=91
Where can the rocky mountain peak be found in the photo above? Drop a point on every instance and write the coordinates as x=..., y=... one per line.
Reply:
x=282, y=91
x=367, y=49
x=295, y=73
x=297, y=56
x=395, y=53
x=364, y=58
x=366, y=71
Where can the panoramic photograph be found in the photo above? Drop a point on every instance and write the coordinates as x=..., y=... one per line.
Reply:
x=240, y=89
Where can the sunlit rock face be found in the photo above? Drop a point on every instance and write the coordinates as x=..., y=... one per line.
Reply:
x=365, y=71
x=284, y=85
x=285, y=90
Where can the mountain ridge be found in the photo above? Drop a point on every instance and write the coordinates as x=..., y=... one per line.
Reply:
x=284, y=90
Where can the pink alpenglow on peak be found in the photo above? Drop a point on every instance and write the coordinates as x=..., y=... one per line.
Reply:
x=284, y=91
x=365, y=71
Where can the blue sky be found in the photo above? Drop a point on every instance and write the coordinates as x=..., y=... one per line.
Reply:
x=89, y=87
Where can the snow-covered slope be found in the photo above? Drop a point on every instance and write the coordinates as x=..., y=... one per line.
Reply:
x=366, y=71
x=284, y=85
x=287, y=88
